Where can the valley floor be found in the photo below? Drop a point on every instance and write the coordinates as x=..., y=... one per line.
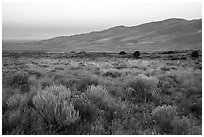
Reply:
x=101, y=93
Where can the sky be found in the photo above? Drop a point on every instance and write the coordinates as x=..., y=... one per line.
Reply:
x=47, y=19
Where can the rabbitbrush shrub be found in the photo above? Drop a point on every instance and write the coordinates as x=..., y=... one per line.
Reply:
x=140, y=89
x=54, y=106
x=163, y=116
x=100, y=97
x=168, y=121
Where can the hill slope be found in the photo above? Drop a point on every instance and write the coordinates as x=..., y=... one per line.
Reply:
x=170, y=34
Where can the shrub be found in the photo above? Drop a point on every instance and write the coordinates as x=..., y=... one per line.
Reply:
x=195, y=106
x=18, y=80
x=122, y=53
x=97, y=128
x=15, y=101
x=82, y=52
x=156, y=98
x=195, y=54
x=20, y=117
x=100, y=97
x=191, y=105
x=11, y=120
x=168, y=52
x=54, y=106
x=182, y=126
x=67, y=82
x=87, y=111
x=85, y=82
x=191, y=82
x=163, y=116
x=170, y=123
x=140, y=89
x=136, y=54
x=166, y=83
x=96, y=91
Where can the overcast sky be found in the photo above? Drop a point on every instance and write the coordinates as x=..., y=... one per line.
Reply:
x=43, y=20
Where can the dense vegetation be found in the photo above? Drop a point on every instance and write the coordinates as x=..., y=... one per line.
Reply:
x=160, y=93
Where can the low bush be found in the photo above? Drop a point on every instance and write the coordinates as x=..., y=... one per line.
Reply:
x=163, y=116
x=192, y=81
x=100, y=97
x=182, y=126
x=22, y=121
x=169, y=122
x=54, y=106
x=105, y=103
x=87, y=110
x=15, y=101
x=18, y=80
x=166, y=84
x=136, y=54
x=20, y=118
x=191, y=105
x=195, y=54
x=140, y=89
x=85, y=82
x=122, y=53
x=168, y=52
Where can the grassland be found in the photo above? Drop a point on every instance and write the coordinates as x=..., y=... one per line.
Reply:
x=101, y=93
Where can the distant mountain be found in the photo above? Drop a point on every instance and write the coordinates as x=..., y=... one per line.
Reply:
x=170, y=34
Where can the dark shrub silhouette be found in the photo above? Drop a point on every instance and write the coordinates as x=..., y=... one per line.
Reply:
x=168, y=52
x=136, y=54
x=82, y=52
x=195, y=54
x=122, y=53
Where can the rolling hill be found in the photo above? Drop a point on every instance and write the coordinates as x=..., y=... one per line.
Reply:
x=170, y=34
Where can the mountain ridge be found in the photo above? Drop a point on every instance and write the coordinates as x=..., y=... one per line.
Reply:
x=169, y=34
